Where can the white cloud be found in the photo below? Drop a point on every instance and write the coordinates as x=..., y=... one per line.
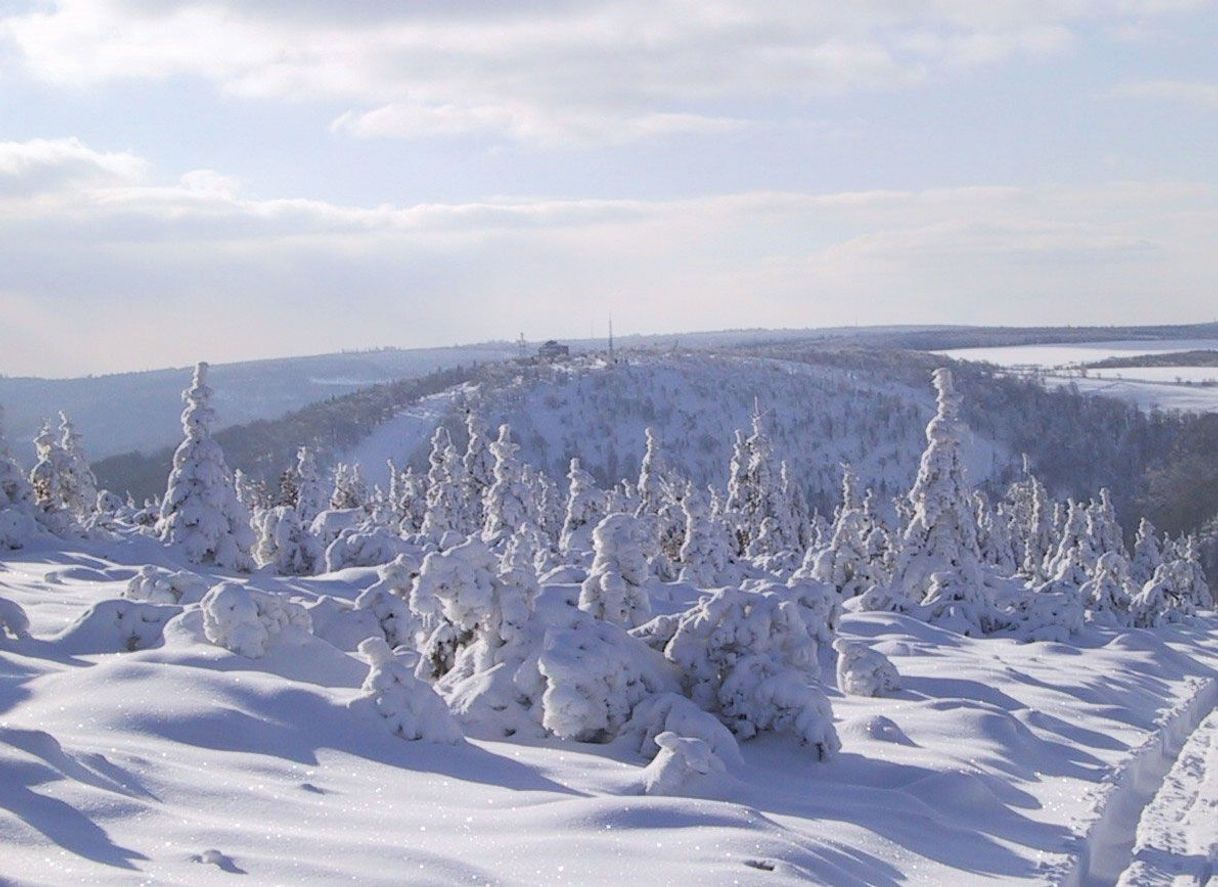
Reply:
x=1204, y=95
x=165, y=273
x=544, y=72
x=27, y=168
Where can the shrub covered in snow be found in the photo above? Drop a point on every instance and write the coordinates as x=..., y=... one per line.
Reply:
x=365, y=546
x=156, y=585
x=862, y=671
x=410, y=707
x=250, y=622
x=387, y=599
x=750, y=656
x=284, y=543
x=676, y=713
x=615, y=590
x=595, y=675
x=682, y=760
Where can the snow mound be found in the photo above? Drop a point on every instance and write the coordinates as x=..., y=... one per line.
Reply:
x=673, y=713
x=13, y=621
x=248, y=621
x=862, y=671
x=117, y=626
x=156, y=585
x=681, y=764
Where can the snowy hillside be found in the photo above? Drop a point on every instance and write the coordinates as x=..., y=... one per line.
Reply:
x=819, y=419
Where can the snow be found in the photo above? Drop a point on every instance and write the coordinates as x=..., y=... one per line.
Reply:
x=993, y=764
x=1059, y=355
x=400, y=437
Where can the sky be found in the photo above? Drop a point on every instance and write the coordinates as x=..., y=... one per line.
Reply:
x=221, y=180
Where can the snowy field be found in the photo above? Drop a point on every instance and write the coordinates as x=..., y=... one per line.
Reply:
x=181, y=763
x=1146, y=387
x=1075, y=353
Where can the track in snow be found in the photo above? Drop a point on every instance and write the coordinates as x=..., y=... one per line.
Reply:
x=1156, y=825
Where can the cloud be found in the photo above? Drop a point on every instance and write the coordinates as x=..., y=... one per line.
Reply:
x=1204, y=95
x=553, y=72
x=39, y=165
x=166, y=272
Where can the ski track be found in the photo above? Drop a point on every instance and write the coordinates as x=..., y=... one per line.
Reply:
x=1151, y=809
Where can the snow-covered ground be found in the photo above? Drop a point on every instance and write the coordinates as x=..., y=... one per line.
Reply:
x=1075, y=353
x=178, y=762
x=1148, y=388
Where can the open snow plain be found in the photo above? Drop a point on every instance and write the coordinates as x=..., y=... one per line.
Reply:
x=133, y=751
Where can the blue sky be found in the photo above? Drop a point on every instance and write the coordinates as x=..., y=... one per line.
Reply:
x=183, y=180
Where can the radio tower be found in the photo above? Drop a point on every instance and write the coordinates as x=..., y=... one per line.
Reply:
x=611, y=360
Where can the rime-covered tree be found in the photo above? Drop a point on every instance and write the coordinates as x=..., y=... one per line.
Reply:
x=16, y=498
x=349, y=489
x=507, y=504
x=706, y=550
x=445, y=488
x=650, y=488
x=79, y=483
x=200, y=511
x=48, y=481
x=284, y=543
x=585, y=507
x=1147, y=555
x=845, y=563
x=615, y=589
x=942, y=532
x=479, y=465
x=312, y=493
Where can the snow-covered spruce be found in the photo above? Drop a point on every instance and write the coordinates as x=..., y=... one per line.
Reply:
x=750, y=656
x=48, y=480
x=676, y=713
x=349, y=489
x=585, y=507
x=79, y=485
x=479, y=465
x=862, y=671
x=250, y=622
x=410, y=707
x=681, y=763
x=156, y=585
x=706, y=551
x=595, y=675
x=446, y=488
x=284, y=543
x=17, y=522
x=387, y=600
x=200, y=511
x=312, y=493
x=508, y=502
x=616, y=587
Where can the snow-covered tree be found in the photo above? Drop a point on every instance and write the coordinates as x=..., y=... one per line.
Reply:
x=446, y=488
x=284, y=543
x=1107, y=593
x=585, y=507
x=410, y=707
x=349, y=489
x=706, y=552
x=507, y=505
x=16, y=498
x=750, y=656
x=616, y=587
x=200, y=511
x=48, y=479
x=79, y=484
x=479, y=466
x=650, y=486
x=941, y=536
x=1147, y=555
x=312, y=493
x=846, y=562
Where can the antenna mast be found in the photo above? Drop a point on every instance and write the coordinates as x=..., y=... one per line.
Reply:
x=611, y=360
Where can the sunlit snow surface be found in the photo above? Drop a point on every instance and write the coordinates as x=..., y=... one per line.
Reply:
x=1165, y=388
x=187, y=764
